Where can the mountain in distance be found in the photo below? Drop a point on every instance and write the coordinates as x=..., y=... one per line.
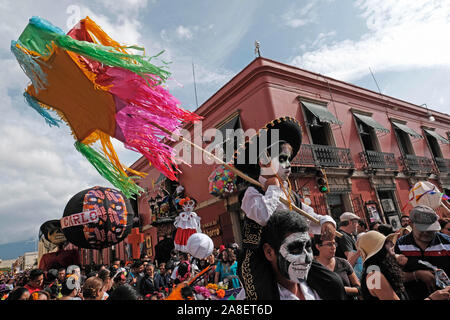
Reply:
x=14, y=250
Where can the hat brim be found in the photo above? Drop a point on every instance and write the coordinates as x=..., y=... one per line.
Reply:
x=428, y=227
x=379, y=245
x=289, y=130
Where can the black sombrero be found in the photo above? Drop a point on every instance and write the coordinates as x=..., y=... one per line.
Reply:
x=289, y=130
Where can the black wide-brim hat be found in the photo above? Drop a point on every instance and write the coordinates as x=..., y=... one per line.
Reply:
x=289, y=130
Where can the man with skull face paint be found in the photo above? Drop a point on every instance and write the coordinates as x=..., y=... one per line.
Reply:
x=272, y=171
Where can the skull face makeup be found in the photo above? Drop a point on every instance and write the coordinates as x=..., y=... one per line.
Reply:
x=295, y=257
x=279, y=163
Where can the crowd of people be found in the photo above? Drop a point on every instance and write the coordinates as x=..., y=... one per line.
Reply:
x=361, y=254
x=141, y=279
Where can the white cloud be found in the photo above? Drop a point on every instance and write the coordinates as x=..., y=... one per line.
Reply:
x=184, y=33
x=299, y=17
x=124, y=5
x=403, y=34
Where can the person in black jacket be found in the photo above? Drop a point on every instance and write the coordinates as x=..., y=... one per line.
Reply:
x=147, y=284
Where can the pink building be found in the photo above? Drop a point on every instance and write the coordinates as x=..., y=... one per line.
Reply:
x=372, y=148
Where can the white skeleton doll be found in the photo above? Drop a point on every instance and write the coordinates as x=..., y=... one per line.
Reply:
x=187, y=223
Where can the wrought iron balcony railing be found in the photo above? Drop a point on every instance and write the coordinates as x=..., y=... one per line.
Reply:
x=323, y=156
x=443, y=165
x=417, y=164
x=379, y=160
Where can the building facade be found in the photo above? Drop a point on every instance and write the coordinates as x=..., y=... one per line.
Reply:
x=370, y=147
x=27, y=261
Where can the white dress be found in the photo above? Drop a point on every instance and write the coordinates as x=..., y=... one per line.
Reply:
x=187, y=223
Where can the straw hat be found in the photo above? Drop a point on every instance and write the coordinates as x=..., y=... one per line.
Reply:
x=370, y=243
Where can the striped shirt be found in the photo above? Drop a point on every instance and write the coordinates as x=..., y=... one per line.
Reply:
x=437, y=253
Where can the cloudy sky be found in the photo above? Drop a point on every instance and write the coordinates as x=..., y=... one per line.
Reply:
x=405, y=44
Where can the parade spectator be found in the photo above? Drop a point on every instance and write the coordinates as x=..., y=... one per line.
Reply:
x=148, y=282
x=93, y=289
x=182, y=257
x=160, y=277
x=382, y=276
x=74, y=269
x=70, y=288
x=362, y=227
x=105, y=276
x=374, y=225
x=20, y=293
x=182, y=272
x=346, y=248
x=404, y=221
x=115, y=266
x=427, y=244
x=385, y=229
x=136, y=273
x=119, y=278
x=124, y=292
x=445, y=225
x=327, y=250
x=56, y=285
x=169, y=272
x=226, y=269
x=36, y=281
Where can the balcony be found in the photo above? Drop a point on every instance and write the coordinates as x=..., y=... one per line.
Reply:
x=417, y=164
x=379, y=160
x=312, y=155
x=443, y=165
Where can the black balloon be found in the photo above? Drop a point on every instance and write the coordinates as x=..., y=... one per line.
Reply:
x=114, y=215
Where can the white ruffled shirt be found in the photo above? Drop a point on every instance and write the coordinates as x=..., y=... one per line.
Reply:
x=259, y=207
x=188, y=220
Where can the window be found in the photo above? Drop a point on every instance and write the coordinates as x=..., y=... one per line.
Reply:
x=404, y=134
x=319, y=119
x=368, y=137
x=232, y=122
x=434, y=145
x=320, y=131
x=404, y=142
x=368, y=128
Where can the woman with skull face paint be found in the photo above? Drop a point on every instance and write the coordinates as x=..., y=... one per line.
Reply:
x=272, y=171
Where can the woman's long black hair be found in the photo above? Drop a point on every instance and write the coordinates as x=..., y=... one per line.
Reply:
x=389, y=267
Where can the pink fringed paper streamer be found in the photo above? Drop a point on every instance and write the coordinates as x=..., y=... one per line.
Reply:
x=140, y=102
x=144, y=93
x=147, y=139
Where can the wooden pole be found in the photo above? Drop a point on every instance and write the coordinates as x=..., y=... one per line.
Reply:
x=240, y=174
